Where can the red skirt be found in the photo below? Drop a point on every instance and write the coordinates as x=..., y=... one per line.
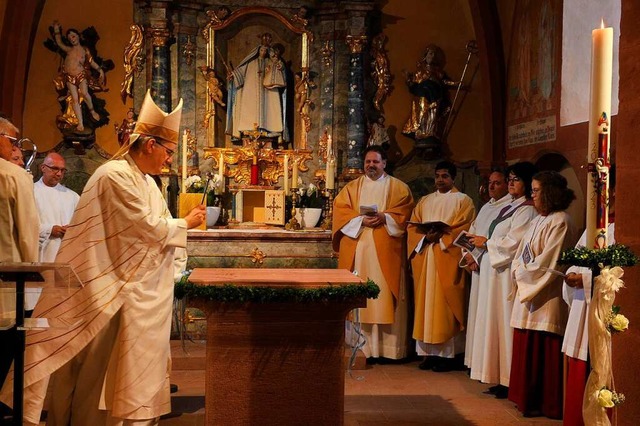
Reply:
x=535, y=385
x=577, y=374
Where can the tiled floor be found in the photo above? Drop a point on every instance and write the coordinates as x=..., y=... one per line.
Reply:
x=395, y=395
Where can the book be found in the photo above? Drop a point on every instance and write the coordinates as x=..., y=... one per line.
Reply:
x=369, y=210
x=463, y=241
x=436, y=225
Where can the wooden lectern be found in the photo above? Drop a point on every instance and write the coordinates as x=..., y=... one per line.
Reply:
x=275, y=362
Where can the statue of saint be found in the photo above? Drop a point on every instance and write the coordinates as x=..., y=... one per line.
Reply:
x=257, y=93
x=126, y=127
x=430, y=105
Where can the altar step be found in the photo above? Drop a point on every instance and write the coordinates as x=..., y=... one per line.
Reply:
x=192, y=356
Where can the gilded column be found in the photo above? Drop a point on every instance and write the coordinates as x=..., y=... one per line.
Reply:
x=355, y=103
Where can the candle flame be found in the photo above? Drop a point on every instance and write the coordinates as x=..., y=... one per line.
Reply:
x=602, y=23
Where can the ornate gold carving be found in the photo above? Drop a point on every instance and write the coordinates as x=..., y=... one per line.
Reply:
x=356, y=43
x=327, y=53
x=269, y=160
x=133, y=60
x=304, y=105
x=322, y=145
x=257, y=256
x=380, y=70
x=216, y=17
x=214, y=93
x=189, y=51
x=192, y=144
x=159, y=36
x=300, y=17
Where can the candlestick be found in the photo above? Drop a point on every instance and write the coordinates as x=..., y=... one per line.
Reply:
x=254, y=171
x=184, y=161
x=599, y=129
x=285, y=165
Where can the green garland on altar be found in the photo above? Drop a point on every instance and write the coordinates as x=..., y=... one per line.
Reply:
x=614, y=255
x=243, y=294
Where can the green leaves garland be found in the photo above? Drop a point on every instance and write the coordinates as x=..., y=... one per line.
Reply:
x=243, y=294
x=614, y=255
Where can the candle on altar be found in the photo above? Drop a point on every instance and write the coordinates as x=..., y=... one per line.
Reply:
x=331, y=173
x=221, y=170
x=329, y=147
x=599, y=130
x=294, y=175
x=285, y=166
x=184, y=161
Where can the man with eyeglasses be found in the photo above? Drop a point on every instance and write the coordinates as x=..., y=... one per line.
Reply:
x=18, y=230
x=114, y=366
x=56, y=204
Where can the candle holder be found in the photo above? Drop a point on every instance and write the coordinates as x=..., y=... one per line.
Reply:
x=233, y=220
x=293, y=224
x=327, y=222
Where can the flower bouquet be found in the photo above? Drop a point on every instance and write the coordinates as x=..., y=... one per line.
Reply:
x=195, y=184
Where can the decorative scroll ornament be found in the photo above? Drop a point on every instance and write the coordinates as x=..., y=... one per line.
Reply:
x=257, y=256
x=327, y=52
x=133, y=60
x=192, y=145
x=380, y=70
x=356, y=43
x=216, y=17
x=189, y=51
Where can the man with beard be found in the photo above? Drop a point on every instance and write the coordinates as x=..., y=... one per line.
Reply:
x=439, y=284
x=370, y=215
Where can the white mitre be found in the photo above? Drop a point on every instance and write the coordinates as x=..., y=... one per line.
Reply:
x=152, y=121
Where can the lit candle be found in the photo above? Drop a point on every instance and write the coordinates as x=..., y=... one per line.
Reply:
x=331, y=173
x=599, y=130
x=184, y=161
x=285, y=165
x=294, y=175
x=329, y=147
x=221, y=170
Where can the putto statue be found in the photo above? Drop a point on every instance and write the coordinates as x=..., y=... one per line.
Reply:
x=81, y=75
x=257, y=93
x=430, y=105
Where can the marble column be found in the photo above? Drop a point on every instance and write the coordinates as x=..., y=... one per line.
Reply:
x=355, y=104
x=327, y=83
x=160, y=68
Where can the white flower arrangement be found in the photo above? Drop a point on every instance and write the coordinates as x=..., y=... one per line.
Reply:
x=615, y=321
x=195, y=183
x=608, y=398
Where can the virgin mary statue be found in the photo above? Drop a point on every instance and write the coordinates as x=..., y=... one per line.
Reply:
x=255, y=100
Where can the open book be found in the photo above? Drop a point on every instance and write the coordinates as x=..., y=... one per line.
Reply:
x=428, y=226
x=369, y=210
x=463, y=241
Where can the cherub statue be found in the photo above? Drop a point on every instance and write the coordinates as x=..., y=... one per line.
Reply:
x=126, y=127
x=380, y=70
x=82, y=73
x=214, y=90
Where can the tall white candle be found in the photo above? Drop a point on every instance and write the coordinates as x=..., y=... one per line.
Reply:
x=329, y=147
x=331, y=173
x=294, y=175
x=599, y=116
x=285, y=165
x=221, y=170
x=184, y=161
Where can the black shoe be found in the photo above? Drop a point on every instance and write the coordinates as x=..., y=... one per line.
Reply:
x=493, y=389
x=428, y=362
x=173, y=388
x=502, y=392
x=444, y=365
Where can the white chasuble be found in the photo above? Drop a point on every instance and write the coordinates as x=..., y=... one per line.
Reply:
x=122, y=249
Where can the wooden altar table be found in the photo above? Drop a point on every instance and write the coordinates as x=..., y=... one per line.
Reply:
x=276, y=363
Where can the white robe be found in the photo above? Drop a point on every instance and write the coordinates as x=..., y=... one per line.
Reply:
x=384, y=335
x=55, y=207
x=122, y=248
x=480, y=226
x=576, y=336
x=538, y=303
x=493, y=343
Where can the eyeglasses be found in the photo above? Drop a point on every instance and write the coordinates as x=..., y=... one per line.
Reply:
x=14, y=141
x=55, y=169
x=514, y=179
x=534, y=191
x=170, y=152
